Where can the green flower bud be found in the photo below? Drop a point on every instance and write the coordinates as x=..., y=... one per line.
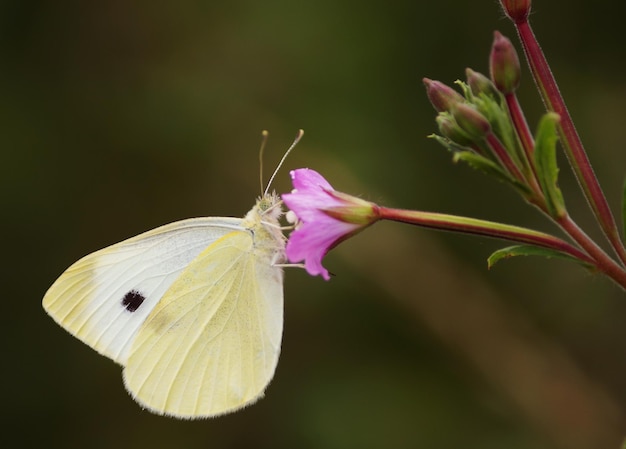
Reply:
x=471, y=121
x=451, y=130
x=479, y=83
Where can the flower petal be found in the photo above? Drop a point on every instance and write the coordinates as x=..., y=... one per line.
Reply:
x=317, y=231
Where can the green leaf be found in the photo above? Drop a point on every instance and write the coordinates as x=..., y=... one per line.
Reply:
x=447, y=143
x=530, y=250
x=481, y=163
x=489, y=167
x=545, y=162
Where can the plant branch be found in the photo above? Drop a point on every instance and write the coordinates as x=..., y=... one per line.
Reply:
x=569, y=137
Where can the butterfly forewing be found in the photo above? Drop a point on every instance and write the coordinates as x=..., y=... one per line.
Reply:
x=105, y=297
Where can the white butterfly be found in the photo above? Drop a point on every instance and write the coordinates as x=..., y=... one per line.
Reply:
x=192, y=310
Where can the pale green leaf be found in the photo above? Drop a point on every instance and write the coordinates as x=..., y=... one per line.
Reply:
x=489, y=167
x=530, y=250
x=545, y=163
x=450, y=145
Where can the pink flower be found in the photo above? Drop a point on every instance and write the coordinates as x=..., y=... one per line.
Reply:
x=325, y=218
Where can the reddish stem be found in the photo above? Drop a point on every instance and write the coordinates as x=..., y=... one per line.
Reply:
x=482, y=227
x=596, y=256
x=602, y=259
x=521, y=126
x=504, y=157
x=569, y=137
x=526, y=138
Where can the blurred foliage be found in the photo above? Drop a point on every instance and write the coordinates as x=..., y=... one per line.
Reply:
x=119, y=116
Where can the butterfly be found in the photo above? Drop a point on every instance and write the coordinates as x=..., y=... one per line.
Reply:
x=192, y=310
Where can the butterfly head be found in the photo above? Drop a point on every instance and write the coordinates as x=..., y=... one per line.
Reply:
x=269, y=207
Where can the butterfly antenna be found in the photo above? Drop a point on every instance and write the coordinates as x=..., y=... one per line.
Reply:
x=264, y=135
x=295, y=142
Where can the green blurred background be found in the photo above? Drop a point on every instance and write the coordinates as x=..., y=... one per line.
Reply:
x=119, y=116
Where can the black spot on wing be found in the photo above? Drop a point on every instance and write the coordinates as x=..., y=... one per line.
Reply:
x=132, y=300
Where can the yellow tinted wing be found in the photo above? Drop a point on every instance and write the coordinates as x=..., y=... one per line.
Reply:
x=212, y=342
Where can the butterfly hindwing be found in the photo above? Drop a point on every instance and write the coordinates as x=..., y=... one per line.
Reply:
x=211, y=344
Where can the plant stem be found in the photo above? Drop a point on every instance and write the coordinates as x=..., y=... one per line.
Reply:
x=571, y=141
x=486, y=228
x=602, y=260
x=503, y=156
x=520, y=125
x=518, y=234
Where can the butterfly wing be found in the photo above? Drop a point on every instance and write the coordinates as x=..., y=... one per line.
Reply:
x=104, y=298
x=212, y=342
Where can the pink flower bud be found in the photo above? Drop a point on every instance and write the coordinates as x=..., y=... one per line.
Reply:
x=442, y=97
x=504, y=64
x=516, y=10
x=479, y=83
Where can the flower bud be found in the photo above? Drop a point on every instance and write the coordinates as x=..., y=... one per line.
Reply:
x=479, y=83
x=516, y=10
x=471, y=121
x=504, y=64
x=451, y=130
x=442, y=97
